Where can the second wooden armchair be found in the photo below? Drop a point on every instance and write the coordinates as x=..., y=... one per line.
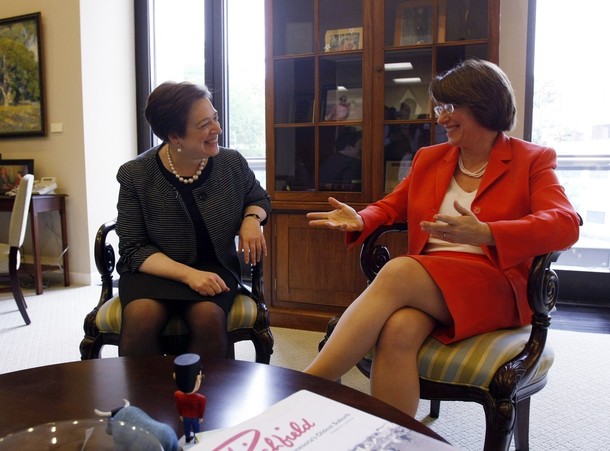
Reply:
x=247, y=320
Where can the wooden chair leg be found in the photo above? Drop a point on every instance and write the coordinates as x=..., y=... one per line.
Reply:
x=263, y=345
x=19, y=299
x=499, y=426
x=435, y=408
x=522, y=425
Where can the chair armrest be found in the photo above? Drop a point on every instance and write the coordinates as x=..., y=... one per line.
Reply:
x=256, y=274
x=374, y=256
x=542, y=286
x=542, y=292
x=105, y=260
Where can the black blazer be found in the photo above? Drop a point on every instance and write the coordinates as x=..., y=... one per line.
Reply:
x=153, y=218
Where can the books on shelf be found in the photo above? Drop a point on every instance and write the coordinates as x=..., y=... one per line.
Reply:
x=308, y=421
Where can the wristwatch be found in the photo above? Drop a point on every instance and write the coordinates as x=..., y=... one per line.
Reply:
x=258, y=218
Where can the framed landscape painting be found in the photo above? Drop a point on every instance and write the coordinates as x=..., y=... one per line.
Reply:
x=21, y=90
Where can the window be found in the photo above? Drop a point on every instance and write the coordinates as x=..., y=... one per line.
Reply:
x=571, y=113
x=246, y=81
x=174, y=48
x=177, y=41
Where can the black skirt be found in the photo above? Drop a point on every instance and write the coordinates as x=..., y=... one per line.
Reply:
x=139, y=285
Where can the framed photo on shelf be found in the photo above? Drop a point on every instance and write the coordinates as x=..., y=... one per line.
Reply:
x=343, y=39
x=11, y=172
x=342, y=105
x=414, y=22
x=22, y=98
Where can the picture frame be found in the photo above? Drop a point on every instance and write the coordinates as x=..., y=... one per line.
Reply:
x=11, y=171
x=414, y=23
x=22, y=111
x=342, y=104
x=343, y=39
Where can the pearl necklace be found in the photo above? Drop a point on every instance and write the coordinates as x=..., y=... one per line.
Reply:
x=476, y=174
x=179, y=177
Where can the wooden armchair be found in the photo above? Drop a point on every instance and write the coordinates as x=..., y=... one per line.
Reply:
x=247, y=320
x=500, y=370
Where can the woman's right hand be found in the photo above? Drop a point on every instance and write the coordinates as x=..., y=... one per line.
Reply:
x=206, y=283
x=343, y=218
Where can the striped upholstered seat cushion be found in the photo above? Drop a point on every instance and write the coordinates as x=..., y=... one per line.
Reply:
x=474, y=361
x=242, y=315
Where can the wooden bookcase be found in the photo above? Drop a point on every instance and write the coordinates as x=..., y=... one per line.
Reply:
x=361, y=66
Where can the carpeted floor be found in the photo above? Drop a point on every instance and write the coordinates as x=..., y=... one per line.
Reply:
x=571, y=413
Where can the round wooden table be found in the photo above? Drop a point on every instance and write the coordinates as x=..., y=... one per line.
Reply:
x=235, y=391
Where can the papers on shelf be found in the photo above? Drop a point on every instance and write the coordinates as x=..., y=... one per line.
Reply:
x=307, y=421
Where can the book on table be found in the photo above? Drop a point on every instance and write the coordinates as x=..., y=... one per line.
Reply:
x=308, y=421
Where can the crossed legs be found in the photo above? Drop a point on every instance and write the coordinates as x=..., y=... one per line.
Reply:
x=143, y=321
x=397, y=312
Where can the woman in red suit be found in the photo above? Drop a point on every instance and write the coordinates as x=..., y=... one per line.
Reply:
x=479, y=208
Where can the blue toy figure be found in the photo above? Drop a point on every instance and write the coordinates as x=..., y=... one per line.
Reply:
x=190, y=404
x=123, y=437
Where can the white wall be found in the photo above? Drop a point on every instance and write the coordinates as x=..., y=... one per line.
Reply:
x=513, y=45
x=88, y=73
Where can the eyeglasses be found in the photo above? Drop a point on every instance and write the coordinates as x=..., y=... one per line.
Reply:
x=446, y=107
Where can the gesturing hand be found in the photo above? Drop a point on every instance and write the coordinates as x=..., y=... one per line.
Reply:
x=343, y=218
x=465, y=228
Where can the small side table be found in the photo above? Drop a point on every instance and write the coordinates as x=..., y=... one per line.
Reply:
x=42, y=203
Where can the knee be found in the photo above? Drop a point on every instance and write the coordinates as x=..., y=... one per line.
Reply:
x=142, y=317
x=397, y=271
x=405, y=331
x=206, y=316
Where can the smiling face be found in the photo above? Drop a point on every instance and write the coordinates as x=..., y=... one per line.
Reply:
x=462, y=128
x=202, y=130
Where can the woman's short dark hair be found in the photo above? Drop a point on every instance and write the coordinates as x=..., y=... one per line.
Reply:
x=483, y=87
x=168, y=107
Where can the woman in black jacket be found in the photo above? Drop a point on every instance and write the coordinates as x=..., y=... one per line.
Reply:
x=180, y=206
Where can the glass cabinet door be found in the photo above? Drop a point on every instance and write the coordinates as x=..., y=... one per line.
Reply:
x=294, y=158
x=407, y=111
x=294, y=90
x=318, y=95
x=340, y=25
x=293, y=27
x=340, y=158
x=462, y=20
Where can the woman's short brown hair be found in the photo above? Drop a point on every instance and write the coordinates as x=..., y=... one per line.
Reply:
x=481, y=86
x=168, y=107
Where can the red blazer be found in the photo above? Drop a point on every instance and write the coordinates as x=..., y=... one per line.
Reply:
x=519, y=197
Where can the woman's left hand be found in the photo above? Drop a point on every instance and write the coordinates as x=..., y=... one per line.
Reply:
x=252, y=241
x=464, y=229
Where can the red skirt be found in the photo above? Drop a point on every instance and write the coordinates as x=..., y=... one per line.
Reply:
x=478, y=295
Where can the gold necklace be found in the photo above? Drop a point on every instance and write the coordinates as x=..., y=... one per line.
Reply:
x=186, y=181
x=476, y=174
